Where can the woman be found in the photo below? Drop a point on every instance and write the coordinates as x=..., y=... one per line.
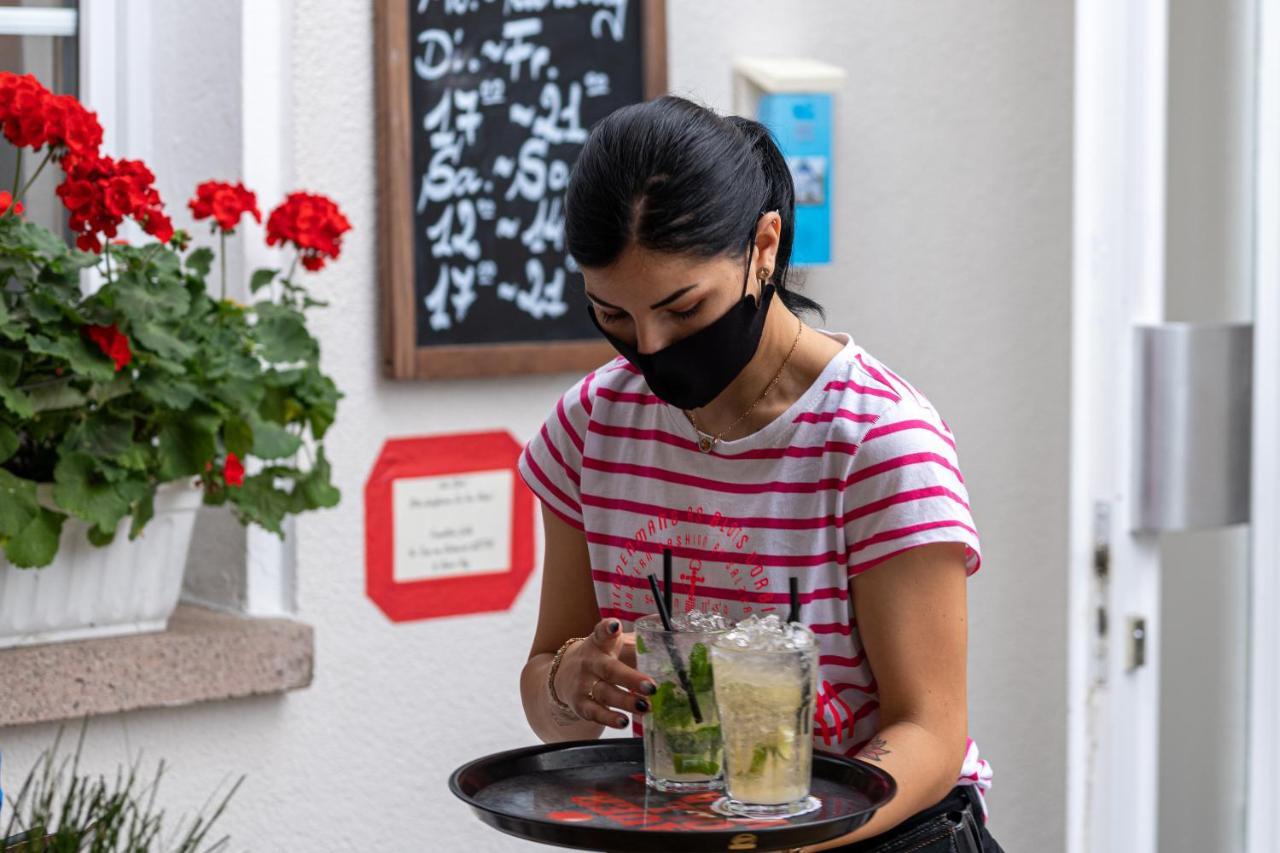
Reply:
x=758, y=449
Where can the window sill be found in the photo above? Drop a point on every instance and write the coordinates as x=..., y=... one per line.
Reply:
x=203, y=656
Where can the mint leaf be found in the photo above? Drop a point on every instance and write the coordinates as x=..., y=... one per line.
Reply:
x=640, y=645
x=700, y=676
x=671, y=707
x=695, y=764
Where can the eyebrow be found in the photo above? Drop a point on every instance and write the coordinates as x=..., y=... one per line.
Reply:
x=661, y=302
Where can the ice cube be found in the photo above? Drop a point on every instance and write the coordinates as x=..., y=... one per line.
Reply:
x=696, y=620
x=768, y=633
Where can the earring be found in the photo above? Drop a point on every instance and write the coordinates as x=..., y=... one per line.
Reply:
x=763, y=275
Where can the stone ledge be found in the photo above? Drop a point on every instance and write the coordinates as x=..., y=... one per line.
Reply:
x=203, y=656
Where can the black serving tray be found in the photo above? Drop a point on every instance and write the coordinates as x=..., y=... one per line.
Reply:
x=591, y=795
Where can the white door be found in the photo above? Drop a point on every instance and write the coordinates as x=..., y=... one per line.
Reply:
x=1175, y=665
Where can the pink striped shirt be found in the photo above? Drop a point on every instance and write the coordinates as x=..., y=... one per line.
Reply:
x=858, y=470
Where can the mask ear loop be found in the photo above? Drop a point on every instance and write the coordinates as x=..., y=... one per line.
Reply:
x=751, y=251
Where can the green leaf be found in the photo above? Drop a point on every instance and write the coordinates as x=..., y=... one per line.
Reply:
x=36, y=544
x=105, y=392
x=103, y=434
x=238, y=436
x=316, y=489
x=8, y=441
x=186, y=446
x=168, y=392
x=261, y=278
x=640, y=645
x=160, y=339
x=671, y=707
x=17, y=502
x=141, y=300
x=144, y=509
x=283, y=335
x=10, y=364
x=83, y=356
x=240, y=393
x=259, y=501
x=52, y=396
x=272, y=441
x=200, y=261
x=100, y=539
x=700, y=677
x=16, y=402
x=81, y=489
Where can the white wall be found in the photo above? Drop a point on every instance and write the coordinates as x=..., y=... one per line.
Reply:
x=952, y=264
x=1204, y=604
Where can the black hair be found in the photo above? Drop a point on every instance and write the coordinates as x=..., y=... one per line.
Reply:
x=670, y=175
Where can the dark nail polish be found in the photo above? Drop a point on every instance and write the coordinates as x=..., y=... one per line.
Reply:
x=622, y=722
x=649, y=688
x=613, y=627
x=642, y=705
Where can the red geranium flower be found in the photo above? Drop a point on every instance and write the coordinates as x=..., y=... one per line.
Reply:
x=33, y=117
x=22, y=109
x=233, y=470
x=6, y=203
x=226, y=203
x=312, y=223
x=100, y=192
x=113, y=343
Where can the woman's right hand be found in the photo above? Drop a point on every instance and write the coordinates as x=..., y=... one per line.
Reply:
x=592, y=666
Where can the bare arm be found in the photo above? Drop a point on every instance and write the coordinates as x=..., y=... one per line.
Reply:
x=911, y=613
x=605, y=660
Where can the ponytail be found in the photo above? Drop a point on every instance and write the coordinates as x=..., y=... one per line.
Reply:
x=780, y=195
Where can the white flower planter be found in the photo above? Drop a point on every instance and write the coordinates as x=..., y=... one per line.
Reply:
x=124, y=588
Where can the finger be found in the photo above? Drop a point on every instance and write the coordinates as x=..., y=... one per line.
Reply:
x=607, y=636
x=618, y=673
x=598, y=713
x=614, y=697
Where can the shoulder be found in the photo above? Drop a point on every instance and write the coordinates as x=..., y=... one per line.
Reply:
x=875, y=408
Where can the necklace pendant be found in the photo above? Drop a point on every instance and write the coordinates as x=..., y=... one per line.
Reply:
x=705, y=443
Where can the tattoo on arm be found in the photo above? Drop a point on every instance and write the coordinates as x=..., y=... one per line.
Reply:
x=875, y=750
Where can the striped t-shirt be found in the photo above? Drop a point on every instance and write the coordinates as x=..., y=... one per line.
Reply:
x=860, y=468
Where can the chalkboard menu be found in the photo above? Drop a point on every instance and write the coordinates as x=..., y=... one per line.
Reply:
x=483, y=106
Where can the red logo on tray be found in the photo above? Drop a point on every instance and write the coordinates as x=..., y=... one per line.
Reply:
x=448, y=526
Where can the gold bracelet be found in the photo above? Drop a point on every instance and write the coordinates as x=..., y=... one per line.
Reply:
x=551, y=678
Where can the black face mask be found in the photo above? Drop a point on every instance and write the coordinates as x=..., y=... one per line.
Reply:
x=694, y=370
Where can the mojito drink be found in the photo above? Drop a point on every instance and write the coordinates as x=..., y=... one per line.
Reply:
x=765, y=678
x=681, y=754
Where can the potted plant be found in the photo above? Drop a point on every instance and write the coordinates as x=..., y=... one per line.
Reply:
x=131, y=391
x=60, y=808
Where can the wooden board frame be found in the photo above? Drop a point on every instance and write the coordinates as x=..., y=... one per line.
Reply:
x=402, y=357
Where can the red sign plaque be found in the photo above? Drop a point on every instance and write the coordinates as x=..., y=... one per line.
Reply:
x=448, y=526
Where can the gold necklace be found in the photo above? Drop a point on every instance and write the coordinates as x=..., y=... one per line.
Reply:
x=705, y=441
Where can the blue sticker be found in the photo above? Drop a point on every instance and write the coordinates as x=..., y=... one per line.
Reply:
x=802, y=124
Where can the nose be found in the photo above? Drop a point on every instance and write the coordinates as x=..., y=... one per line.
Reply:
x=650, y=338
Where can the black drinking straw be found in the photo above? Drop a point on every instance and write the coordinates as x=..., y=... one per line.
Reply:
x=665, y=616
x=666, y=578
x=794, y=615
